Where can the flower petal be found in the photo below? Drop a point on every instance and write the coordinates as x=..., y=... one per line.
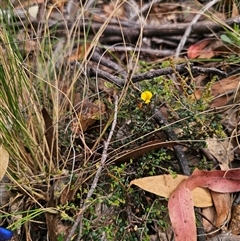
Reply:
x=146, y=96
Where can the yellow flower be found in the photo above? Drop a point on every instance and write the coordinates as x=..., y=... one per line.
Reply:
x=146, y=96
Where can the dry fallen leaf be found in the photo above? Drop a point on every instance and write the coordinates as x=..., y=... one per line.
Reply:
x=234, y=12
x=4, y=159
x=222, y=150
x=205, y=49
x=164, y=185
x=26, y=44
x=33, y=11
x=79, y=53
x=110, y=9
x=196, y=49
x=223, y=91
x=181, y=213
x=208, y=222
x=88, y=115
x=223, y=204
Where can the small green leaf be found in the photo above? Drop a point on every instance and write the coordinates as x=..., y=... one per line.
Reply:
x=226, y=39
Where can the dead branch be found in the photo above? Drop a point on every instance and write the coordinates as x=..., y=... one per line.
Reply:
x=92, y=72
x=182, y=160
x=153, y=74
x=130, y=29
x=108, y=63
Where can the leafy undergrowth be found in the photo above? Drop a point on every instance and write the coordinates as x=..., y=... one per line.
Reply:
x=94, y=98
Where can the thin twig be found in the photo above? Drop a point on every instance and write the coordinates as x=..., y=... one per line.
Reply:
x=97, y=175
x=108, y=63
x=156, y=52
x=105, y=75
x=144, y=9
x=200, y=70
x=89, y=4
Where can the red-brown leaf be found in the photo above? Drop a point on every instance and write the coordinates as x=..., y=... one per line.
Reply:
x=180, y=203
x=196, y=49
x=218, y=181
x=181, y=214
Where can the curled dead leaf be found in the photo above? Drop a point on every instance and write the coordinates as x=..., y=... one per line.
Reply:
x=222, y=203
x=88, y=115
x=222, y=150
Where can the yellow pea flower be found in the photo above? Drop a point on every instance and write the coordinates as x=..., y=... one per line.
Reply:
x=146, y=96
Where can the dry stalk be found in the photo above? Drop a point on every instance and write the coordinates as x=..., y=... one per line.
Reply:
x=189, y=28
x=97, y=175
